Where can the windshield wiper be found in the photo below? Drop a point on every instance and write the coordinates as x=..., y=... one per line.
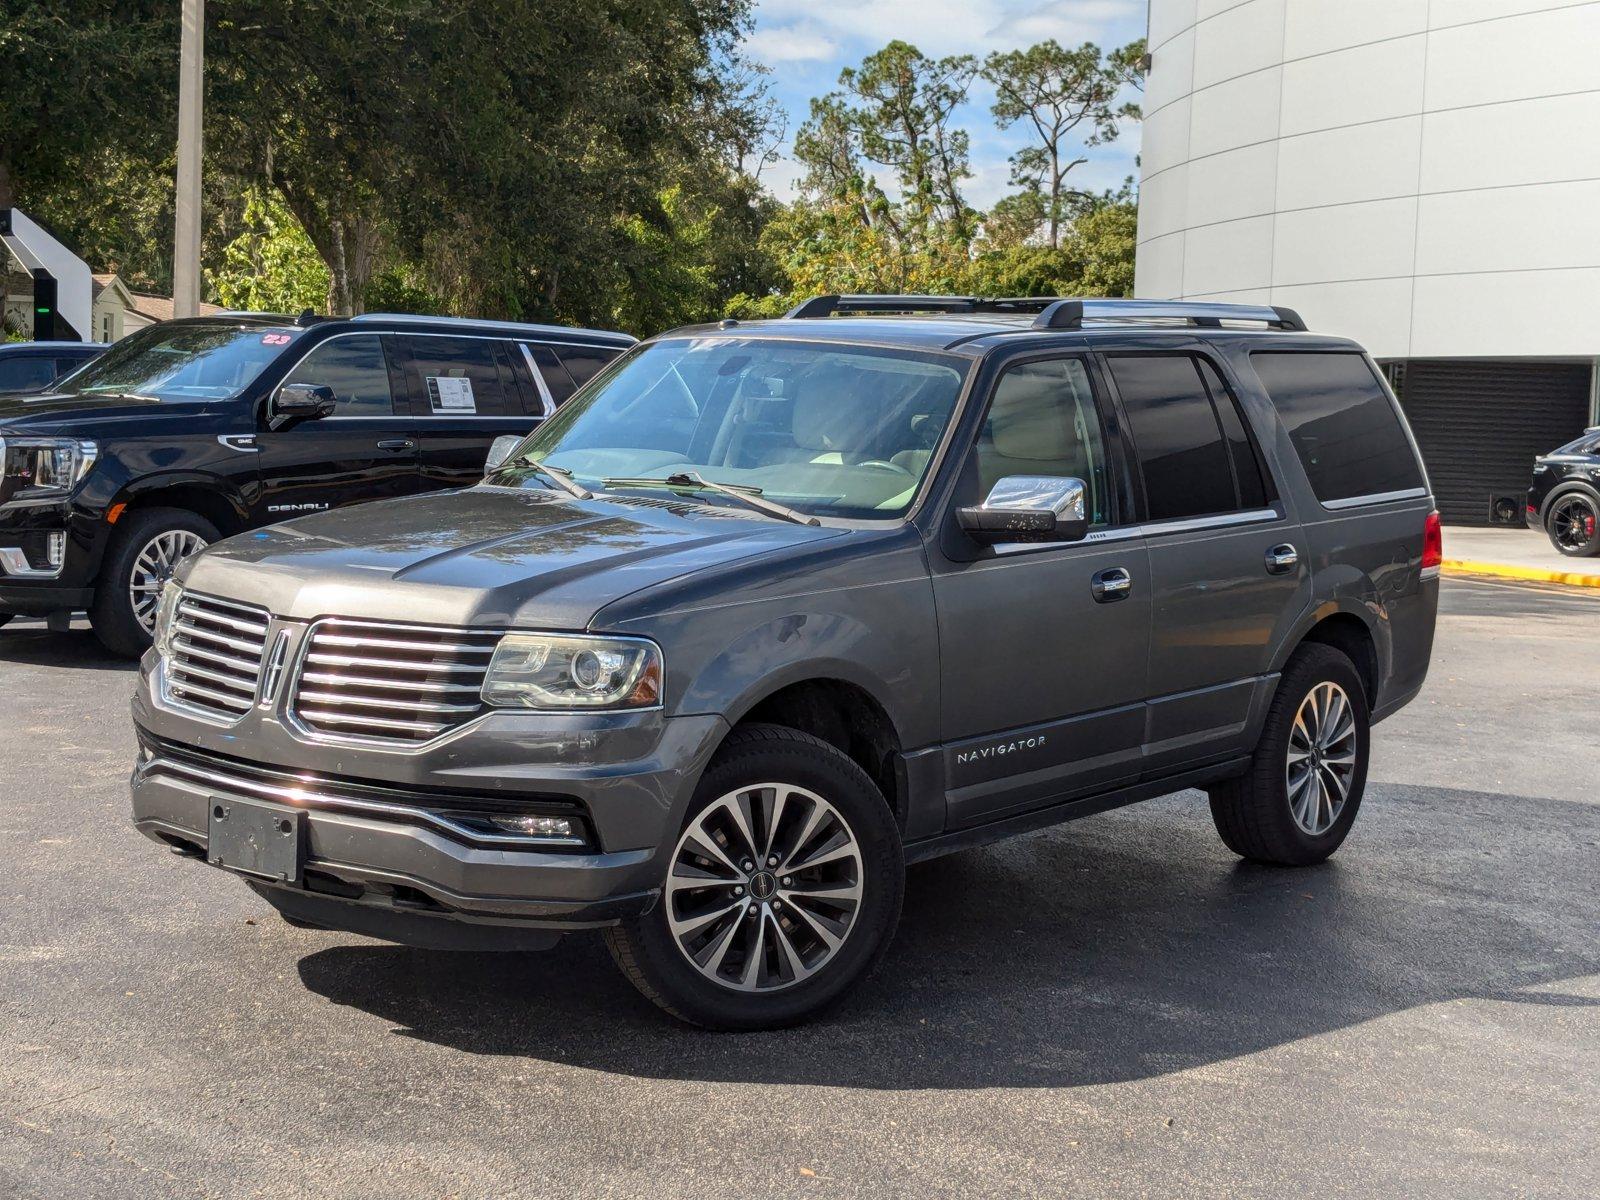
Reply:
x=750, y=497
x=560, y=476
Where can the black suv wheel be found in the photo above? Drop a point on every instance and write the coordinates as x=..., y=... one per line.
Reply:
x=1298, y=800
x=149, y=543
x=782, y=890
x=1573, y=524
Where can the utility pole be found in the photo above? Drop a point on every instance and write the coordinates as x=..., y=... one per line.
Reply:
x=191, y=91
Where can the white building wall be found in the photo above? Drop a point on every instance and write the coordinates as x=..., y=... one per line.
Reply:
x=1422, y=175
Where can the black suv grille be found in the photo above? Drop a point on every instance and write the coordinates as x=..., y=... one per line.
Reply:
x=395, y=683
x=216, y=654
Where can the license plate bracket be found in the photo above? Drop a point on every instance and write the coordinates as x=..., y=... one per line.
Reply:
x=256, y=838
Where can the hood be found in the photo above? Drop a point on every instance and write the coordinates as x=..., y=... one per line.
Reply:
x=50, y=412
x=485, y=556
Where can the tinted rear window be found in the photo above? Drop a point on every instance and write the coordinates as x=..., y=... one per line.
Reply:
x=584, y=362
x=1187, y=467
x=1342, y=423
x=22, y=372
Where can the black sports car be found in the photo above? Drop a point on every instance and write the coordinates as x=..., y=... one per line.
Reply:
x=1564, y=497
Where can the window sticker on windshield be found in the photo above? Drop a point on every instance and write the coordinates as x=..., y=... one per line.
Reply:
x=274, y=339
x=451, y=394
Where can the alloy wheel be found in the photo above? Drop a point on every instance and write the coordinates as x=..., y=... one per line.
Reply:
x=1321, y=759
x=154, y=566
x=766, y=884
x=1572, y=522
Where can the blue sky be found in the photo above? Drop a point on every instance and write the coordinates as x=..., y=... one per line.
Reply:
x=806, y=42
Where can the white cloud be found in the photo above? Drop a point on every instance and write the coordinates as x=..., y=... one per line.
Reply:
x=784, y=44
x=941, y=27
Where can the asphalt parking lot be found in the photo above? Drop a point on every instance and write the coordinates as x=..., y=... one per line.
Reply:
x=1114, y=1007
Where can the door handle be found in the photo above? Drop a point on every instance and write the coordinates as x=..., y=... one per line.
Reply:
x=1282, y=559
x=1112, y=584
x=397, y=444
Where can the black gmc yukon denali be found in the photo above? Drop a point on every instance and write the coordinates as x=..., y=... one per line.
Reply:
x=193, y=430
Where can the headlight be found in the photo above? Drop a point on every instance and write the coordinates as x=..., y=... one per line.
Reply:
x=166, y=613
x=556, y=670
x=43, y=466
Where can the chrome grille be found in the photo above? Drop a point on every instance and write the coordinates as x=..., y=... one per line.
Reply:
x=216, y=654
x=393, y=683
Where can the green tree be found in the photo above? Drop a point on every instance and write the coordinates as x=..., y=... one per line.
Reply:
x=1068, y=98
x=903, y=103
x=1095, y=257
x=74, y=70
x=271, y=266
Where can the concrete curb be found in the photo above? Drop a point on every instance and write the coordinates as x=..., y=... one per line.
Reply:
x=1469, y=566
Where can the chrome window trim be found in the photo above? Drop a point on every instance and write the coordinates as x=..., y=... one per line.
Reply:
x=1253, y=516
x=545, y=398
x=513, y=340
x=1414, y=493
x=1123, y=533
x=306, y=797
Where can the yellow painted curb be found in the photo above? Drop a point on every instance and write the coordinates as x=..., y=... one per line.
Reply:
x=1468, y=566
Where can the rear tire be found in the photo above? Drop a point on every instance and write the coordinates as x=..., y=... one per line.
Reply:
x=773, y=802
x=1296, y=803
x=1573, y=525
x=148, y=544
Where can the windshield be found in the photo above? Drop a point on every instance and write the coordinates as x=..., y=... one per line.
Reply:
x=824, y=429
x=181, y=362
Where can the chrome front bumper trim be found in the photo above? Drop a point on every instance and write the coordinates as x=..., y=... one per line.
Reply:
x=15, y=565
x=305, y=794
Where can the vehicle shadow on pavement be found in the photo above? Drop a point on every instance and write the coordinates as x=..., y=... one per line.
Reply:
x=1119, y=948
x=29, y=642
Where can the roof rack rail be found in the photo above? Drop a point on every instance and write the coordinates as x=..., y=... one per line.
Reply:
x=1071, y=314
x=1054, y=312
x=827, y=306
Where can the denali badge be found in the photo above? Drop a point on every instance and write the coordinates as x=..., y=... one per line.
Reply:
x=309, y=506
x=999, y=748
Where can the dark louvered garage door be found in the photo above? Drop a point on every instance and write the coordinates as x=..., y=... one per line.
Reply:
x=1480, y=425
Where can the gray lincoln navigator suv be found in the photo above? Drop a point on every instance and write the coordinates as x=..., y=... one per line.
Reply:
x=770, y=610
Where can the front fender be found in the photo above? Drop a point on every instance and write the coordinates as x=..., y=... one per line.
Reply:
x=795, y=648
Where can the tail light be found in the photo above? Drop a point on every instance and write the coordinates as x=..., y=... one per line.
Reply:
x=1432, y=546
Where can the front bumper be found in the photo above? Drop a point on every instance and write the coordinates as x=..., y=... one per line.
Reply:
x=39, y=589
x=383, y=853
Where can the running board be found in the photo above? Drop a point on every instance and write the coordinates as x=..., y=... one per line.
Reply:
x=1071, y=810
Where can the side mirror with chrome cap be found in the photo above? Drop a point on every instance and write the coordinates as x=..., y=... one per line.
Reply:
x=1029, y=508
x=302, y=402
x=499, y=451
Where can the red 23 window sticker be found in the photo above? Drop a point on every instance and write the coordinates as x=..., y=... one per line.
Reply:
x=274, y=339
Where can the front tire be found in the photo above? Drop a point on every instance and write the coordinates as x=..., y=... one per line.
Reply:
x=1573, y=525
x=782, y=890
x=1296, y=803
x=148, y=545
